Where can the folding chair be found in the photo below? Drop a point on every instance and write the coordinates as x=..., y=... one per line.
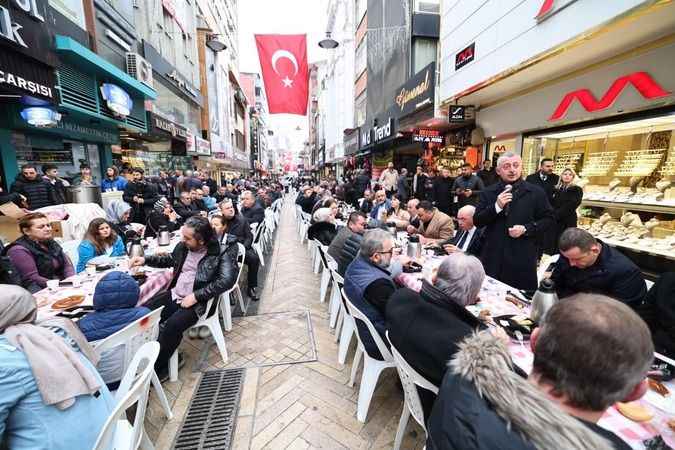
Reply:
x=348, y=327
x=371, y=367
x=225, y=307
x=257, y=244
x=410, y=379
x=132, y=337
x=118, y=433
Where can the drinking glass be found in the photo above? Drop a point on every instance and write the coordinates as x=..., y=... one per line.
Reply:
x=52, y=285
x=91, y=270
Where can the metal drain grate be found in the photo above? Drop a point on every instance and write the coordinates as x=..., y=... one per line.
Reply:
x=209, y=422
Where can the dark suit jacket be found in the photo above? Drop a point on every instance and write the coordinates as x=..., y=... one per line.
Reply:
x=425, y=328
x=513, y=261
x=476, y=244
x=254, y=214
x=548, y=186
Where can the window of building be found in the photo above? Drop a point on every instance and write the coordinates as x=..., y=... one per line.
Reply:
x=361, y=57
x=360, y=109
x=423, y=53
x=428, y=6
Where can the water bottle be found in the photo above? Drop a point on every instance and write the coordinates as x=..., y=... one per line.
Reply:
x=543, y=300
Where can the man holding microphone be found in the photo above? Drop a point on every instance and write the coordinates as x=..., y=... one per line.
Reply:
x=513, y=213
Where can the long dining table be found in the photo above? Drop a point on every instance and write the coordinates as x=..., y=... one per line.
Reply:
x=492, y=297
x=156, y=281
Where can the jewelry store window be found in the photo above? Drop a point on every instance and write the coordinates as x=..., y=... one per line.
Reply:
x=627, y=172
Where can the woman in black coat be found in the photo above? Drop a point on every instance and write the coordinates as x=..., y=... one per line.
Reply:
x=323, y=228
x=566, y=199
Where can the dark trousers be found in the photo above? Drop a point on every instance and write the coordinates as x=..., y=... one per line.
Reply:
x=176, y=320
x=253, y=263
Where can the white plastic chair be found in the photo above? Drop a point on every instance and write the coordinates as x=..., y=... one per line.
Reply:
x=132, y=337
x=225, y=307
x=371, y=367
x=257, y=242
x=117, y=432
x=213, y=324
x=70, y=248
x=412, y=404
x=348, y=327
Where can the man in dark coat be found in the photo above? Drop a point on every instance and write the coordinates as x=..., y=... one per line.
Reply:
x=238, y=226
x=419, y=190
x=203, y=268
x=141, y=196
x=442, y=192
x=186, y=208
x=51, y=176
x=402, y=188
x=250, y=209
x=658, y=311
x=488, y=174
x=545, y=178
x=512, y=218
x=426, y=327
x=38, y=192
x=588, y=265
x=361, y=183
x=306, y=199
x=483, y=404
x=356, y=225
x=467, y=187
x=469, y=238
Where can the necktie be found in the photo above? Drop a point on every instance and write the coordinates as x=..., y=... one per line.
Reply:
x=462, y=240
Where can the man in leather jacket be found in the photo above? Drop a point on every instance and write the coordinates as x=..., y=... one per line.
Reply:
x=203, y=268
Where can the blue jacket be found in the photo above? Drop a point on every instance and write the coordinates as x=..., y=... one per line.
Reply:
x=87, y=251
x=209, y=202
x=115, y=299
x=359, y=275
x=118, y=184
x=26, y=423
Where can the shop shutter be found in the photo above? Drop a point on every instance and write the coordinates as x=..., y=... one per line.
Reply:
x=77, y=89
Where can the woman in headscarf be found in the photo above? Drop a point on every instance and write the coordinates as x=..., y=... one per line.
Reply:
x=52, y=397
x=118, y=213
x=162, y=215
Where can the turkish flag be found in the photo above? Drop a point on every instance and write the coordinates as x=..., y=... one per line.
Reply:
x=283, y=59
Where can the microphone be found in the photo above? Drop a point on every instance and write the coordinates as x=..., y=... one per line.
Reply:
x=507, y=188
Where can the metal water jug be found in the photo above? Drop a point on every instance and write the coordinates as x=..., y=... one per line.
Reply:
x=543, y=300
x=136, y=248
x=164, y=237
x=414, y=249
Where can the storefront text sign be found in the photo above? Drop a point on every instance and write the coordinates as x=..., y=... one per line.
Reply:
x=176, y=131
x=646, y=86
x=170, y=75
x=418, y=91
x=428, y=136
x=384, y=131
x=366, y=134
x=23, y=29
x=465, y=56
x=25, y=77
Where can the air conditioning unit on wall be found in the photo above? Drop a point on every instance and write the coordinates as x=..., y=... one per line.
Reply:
x=140, y=69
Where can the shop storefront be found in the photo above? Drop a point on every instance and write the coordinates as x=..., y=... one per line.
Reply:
x=68, y=116
x=614, y=126
x=173, y=121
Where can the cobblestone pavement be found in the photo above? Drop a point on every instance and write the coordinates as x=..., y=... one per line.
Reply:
x=295, y=393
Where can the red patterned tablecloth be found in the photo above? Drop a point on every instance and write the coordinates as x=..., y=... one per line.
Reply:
x=492, y=297
x=157, y=280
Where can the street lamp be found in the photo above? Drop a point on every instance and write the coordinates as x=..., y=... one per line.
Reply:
x=329, y=43
x=214, y=43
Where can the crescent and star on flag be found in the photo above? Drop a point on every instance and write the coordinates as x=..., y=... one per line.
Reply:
x=281, y=53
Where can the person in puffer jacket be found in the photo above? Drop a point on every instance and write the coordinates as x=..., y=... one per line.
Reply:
x=115, y=299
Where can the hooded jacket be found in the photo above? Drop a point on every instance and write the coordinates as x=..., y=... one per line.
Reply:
x=115, y=298
x=483, y=404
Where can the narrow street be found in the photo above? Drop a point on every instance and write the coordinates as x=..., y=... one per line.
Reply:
x=295, y=393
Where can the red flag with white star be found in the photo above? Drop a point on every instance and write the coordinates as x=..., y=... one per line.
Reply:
x=283, y=60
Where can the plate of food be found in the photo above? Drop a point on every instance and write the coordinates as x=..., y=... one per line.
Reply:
x=512, y=323
x=68, y=302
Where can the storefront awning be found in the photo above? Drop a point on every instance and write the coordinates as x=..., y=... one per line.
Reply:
x=74, y=53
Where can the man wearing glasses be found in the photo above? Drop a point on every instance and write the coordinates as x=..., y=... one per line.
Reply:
x=369, y=282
